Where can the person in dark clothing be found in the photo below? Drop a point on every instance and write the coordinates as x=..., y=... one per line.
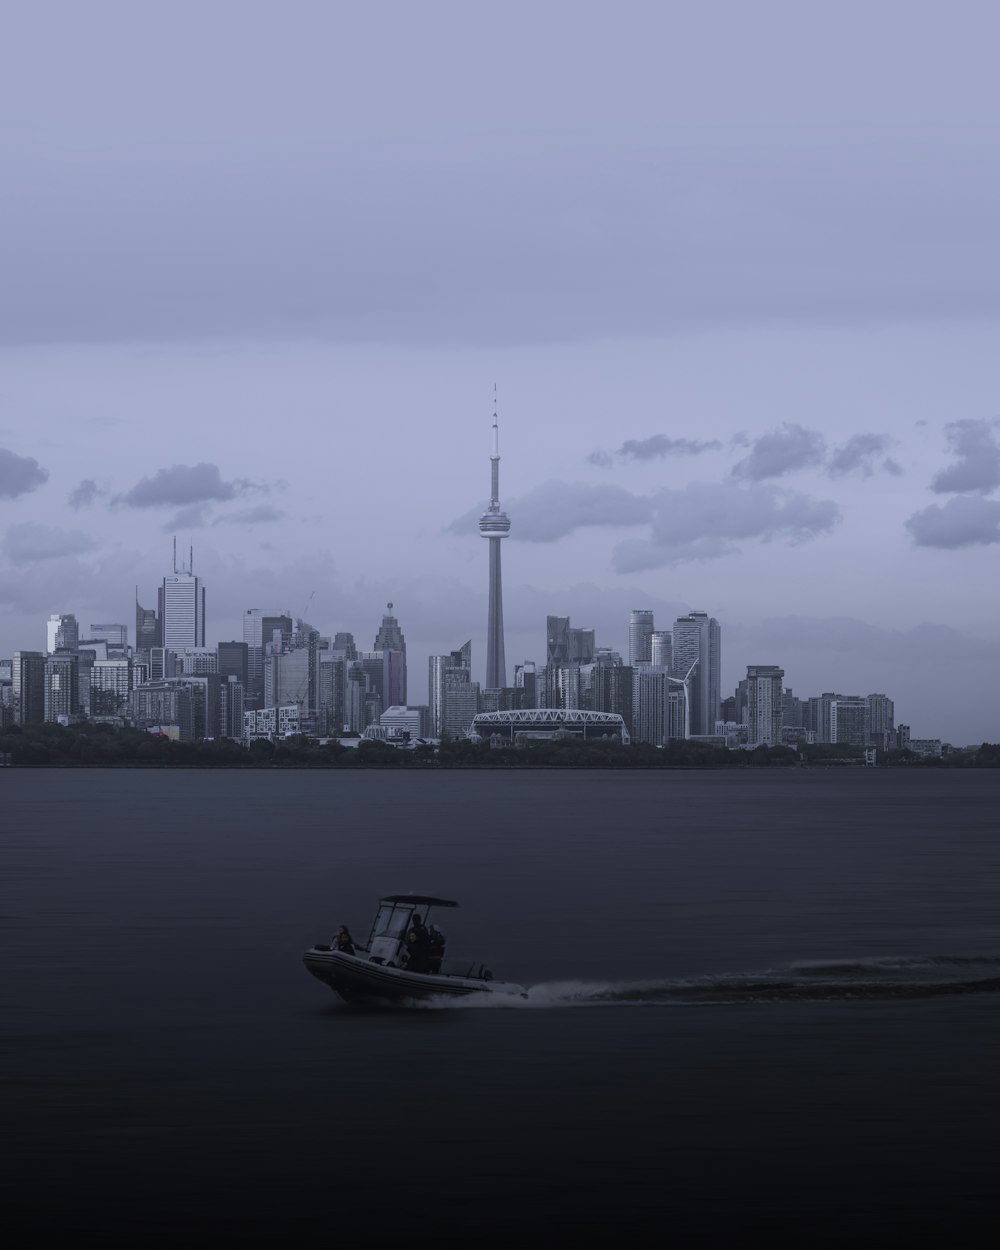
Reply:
x=343, y=941
x=435, y=948
x=417, y=945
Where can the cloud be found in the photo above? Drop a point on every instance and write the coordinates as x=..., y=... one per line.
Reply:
x=965, y=521
x=780, y=452
x=84, y=495
x=190, y=518
x=706, y=520
x=28, y=542
x=978, y=464
x=657, y=447
x=555, y=509
x=859, y=453
x=19, y=474
x=261, y=514
x=183, y=485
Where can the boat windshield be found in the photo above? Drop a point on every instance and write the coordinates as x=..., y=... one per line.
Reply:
x=391, y=922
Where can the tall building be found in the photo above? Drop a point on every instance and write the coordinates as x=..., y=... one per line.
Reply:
x=390, y=638
x=444, y=674
x=566, y=645
x=697, y=637
x=764, y=704
x=148, y=628
x=28, y=681
x=881, y=721
x=182, y=607
x=661, y=649
x=115, y=635
x=234, y=662
x=260, y=628
x=640, y=637
x=62, y=685
x=62, y=633
x=494, y=525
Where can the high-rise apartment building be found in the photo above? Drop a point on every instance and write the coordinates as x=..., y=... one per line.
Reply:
x=764, y=704
x=494, y=525
x=262, y=628
x=449, y=679
x=62, y=686
x=661, y=649
x=640, y=637
x=390, y=638
x=28, y=682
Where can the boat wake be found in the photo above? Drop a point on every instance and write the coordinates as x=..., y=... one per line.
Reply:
x=883, y=979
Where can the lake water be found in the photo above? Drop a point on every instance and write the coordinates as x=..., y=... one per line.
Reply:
x=763, y=1005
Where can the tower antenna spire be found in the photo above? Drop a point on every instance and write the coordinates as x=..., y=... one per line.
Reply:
x=494, y=525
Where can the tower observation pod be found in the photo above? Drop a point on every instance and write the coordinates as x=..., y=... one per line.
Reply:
x=494, y=525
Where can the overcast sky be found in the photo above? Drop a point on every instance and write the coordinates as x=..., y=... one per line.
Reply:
x=734, y=269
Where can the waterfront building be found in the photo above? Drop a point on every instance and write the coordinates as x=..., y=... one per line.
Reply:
x=231, y=708
x=401, y=720
x=447, y=673
x=272, y=722
x=650, y=705
x=62, y=633
x=164, y=706
x=640, y=637
x=881, y=723
x=28, y=683
x=697, y=640
x=234, y=661
x=523, y=725
x=764, y=704
x=62, y=686
x=611, y=690
x=109, y=683
x=390, y=638
x=848, y=720
x=494, y=525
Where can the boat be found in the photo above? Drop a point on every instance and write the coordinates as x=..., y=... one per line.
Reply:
x=389, y=970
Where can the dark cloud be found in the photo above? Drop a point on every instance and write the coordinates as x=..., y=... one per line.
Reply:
x=859, y=454
x=261, y=514
x=781, y=451
x=19, y=474
x=185, y=484
x=965, y=521
x=658, y=447
x=191, y=518
x=555, y=509
x=707, y=520
x=28, y=542
x=85, y=494
x=978, y=463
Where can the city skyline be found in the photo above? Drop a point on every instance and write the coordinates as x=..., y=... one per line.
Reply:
x=743, y=321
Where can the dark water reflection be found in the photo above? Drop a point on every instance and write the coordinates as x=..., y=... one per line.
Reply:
x=761, y=1005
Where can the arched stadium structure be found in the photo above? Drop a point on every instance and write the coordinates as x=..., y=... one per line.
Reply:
x=546, y=722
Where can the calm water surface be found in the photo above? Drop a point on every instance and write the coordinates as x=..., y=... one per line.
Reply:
x=761, y=1005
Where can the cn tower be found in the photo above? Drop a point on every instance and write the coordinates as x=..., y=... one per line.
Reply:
x=494, y=524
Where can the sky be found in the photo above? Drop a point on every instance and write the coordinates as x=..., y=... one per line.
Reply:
x=733, y=270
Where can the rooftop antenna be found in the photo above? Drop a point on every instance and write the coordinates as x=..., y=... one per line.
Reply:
x=175, y=553
x=191, y=559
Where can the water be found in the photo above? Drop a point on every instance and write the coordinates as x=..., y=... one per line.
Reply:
x=760, y=1005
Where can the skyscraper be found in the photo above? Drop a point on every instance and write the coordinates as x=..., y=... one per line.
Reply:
x=640, y=637
x=494, y=525
x=182, y=608
x=390, y=638
x=148, y=627
x=764, y=704
x=697, y=637
x=62, y=633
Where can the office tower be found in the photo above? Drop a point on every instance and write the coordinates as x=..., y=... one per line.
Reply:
x=566, y=645
x=182, y=607
x=234, y=661
x=764, y=704
x=661, y=648
x=198, y=660
x=526, y=680
x=148, y=627
x=115, y=635
x=390, y=638
x=494, y=525
x=290, y=675
x=232, y=708
x=62, y=686
x=640, y=637
x=651, y=690
x=62, y=633
x=344, y=644
x=162, y=664
x=165, y=706
x=611, y=690
x=848, y=720
x=385, y=672
x=697, y=638
x=28, y=681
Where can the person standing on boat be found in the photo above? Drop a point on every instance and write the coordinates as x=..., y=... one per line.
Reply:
x=417, y=945
x=435, y=948
x=343, y=941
